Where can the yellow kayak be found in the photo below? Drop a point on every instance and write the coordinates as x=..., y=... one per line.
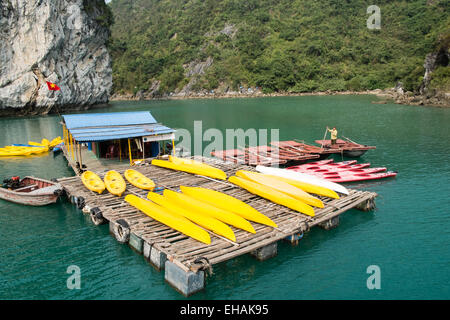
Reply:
x=55, y=142
x=40, y=148
x=168, y=218
x=93, y=182
x=280, y=186
x=205, y=208
x=273, y=195
x=114, y=183
x=227, y=202
x=201, y=219
x=189, y=162
x=307, y=187
x=45, y=142
x=138, y=180
x=10, y=153
x=204, y=169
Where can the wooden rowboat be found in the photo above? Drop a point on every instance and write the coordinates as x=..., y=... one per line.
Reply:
x=32, y=191
x=347, y=148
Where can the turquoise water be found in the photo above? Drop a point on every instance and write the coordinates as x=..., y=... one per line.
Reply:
x=407, y=236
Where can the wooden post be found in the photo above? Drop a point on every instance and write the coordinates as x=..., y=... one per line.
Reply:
x=64, y=133
x=75, y=145
x=71, y=145
x=143, y=149
x=120, y=150
x=129, y=151
x=80, y=159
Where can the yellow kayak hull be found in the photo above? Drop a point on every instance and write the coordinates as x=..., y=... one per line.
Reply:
x=32, y=143
x=189, y=162
x=227, y=202
x=168, y=218
x=280, y=186
x=55, y=142
x=225, y=216
x=138, y=180
x=45, y=142
x=21, y=150
x=114, y=183
x=204, y=170
x=273, y=195
x=93, y=182
x=202, y=220
x=11, y=153
x=307, y=187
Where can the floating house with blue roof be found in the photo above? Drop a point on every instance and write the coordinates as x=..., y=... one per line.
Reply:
x=118, y=135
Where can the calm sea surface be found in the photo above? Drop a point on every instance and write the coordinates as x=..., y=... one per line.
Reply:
x=408, y=236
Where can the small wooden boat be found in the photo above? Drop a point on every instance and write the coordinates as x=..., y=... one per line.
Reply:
x=30, y=191
x=347, y=148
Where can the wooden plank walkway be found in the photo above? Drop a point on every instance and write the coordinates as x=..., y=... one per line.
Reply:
x=185, y=251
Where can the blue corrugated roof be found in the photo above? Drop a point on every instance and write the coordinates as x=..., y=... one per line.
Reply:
x=109, y=126
x=107, y=119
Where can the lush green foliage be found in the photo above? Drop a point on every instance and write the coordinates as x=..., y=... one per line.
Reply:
x=277, y=45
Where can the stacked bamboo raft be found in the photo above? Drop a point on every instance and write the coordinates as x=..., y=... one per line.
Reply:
x=189, y=254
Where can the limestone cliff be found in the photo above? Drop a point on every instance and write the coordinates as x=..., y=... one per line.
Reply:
x=61, y=41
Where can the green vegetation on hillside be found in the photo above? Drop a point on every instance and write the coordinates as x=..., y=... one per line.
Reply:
x=102, y=12
x=277, y=45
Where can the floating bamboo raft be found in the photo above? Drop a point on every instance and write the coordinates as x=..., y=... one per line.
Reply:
x=187, y=253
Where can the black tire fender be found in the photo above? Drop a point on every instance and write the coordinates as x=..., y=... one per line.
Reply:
x=80, y=202
x=121, y=231
x=97, y=216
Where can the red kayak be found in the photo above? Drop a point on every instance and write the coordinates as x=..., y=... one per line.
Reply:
x=330, y=166
x=348, y=176
x=327, y=162
x=342, y=170
x=360, y=176
x=316, y=163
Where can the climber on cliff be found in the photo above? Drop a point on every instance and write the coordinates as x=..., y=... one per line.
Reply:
x=333, y=135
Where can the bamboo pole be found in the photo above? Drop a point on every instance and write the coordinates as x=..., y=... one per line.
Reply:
x=79, y=153
x=129, y=151
x=71, y=145
x=64, y=133
x=173, y=147
x=324, y=136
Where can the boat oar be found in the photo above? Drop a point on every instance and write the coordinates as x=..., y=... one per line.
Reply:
x=350, y=140
x=324, y=136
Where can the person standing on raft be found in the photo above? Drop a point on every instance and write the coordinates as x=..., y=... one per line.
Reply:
x=333, y=135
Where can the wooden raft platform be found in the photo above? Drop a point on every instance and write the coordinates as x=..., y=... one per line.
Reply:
x=144, y=234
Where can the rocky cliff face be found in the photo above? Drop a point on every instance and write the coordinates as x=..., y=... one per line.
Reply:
x=60, y=41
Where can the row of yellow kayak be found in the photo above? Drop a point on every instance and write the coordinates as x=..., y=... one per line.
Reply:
x=289, y=193
x=32, y=148
x=114, y=182
x=196, y=209
x=188, y=212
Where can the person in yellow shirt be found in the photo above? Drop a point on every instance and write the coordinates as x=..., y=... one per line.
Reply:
x=333, y=135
